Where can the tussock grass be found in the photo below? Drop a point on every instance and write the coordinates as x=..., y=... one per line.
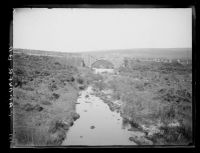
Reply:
x=156, y=93
x=31, y=136
x=45, y=93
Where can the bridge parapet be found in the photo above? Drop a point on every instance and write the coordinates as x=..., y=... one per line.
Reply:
x=89, y=60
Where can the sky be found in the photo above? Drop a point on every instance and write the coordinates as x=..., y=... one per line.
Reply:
x=83, y=29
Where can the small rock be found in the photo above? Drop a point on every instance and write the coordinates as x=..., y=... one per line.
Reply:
x=81, y=136
x=38, y=108
x=131, y=139
x=141, y=140
x=86, y=96
x=131, y=129
x=82, y=87
x=71, y=123
x=65, y=126
x=92, y=127
x=76, y=116
x=46, y=103
x=28, y=107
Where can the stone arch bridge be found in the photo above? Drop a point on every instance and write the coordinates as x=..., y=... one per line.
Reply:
x=90, y=60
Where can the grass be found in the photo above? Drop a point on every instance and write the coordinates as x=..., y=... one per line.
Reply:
x=29, y=136
x=45, y=93
x=156, y=92
x=46, y=90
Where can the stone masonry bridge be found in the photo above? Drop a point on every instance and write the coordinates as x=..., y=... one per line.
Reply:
x=90, y=60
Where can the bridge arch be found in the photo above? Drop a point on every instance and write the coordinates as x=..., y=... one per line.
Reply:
x=102, y=63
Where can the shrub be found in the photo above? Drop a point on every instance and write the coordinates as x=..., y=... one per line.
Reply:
x=57, y=63
x=28, y=88
x=17, y=81
x=46, y=73
x=178, y=135
x=80, y=80
x=45, y=102
x=37, y=72
x=82, y=87
x=116, y=95
x=30, y=107
x=55, y=95
x=100, y=85
x=38, y=108
x=53, y=86
x=139, y=85
x=75, y=116
x=167, y=113
x=91, y=77
x=31, y=136
x=19, y=72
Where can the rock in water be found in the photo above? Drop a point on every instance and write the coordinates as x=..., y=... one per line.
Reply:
x=76, y=116
x=92, y=127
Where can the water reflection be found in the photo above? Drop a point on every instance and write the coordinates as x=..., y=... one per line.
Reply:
x=97, y=125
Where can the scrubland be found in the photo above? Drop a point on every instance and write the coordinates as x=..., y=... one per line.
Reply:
x=44, y=96
x=155, y=98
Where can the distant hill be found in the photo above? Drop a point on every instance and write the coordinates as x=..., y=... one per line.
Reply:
x=44, y=53
x=170, y=53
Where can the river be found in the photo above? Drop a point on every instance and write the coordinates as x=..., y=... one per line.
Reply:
x=97, y=124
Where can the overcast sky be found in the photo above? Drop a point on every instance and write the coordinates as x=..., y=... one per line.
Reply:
x=84, y=29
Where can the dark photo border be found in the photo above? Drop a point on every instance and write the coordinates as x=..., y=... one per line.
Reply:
x=62, y=4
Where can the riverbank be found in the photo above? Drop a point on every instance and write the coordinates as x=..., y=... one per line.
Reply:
x=97, y=125
x=44, y=95
x=152, y=100
x=155, y=102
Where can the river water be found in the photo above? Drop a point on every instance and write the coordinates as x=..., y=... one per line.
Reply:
x=97, y=124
